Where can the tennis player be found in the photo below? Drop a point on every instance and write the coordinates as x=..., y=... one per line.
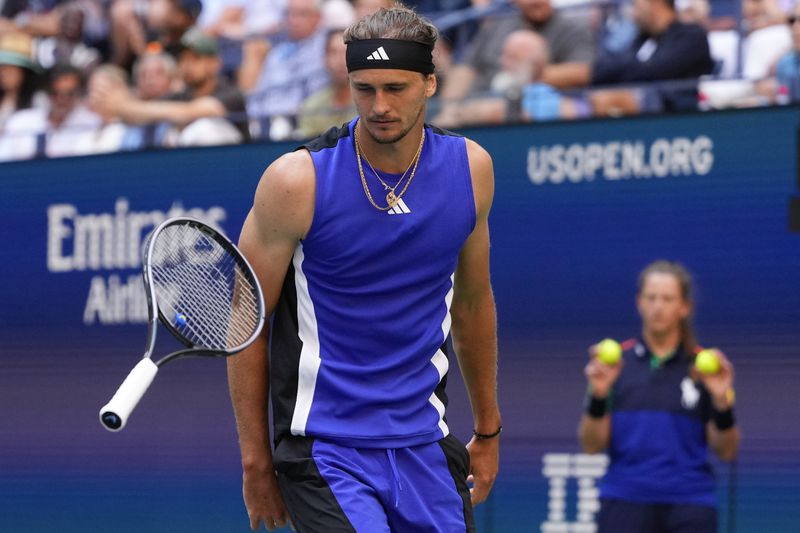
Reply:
x=657, y=417
x=371, y=243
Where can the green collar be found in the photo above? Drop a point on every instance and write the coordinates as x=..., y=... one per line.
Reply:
x=658, y=362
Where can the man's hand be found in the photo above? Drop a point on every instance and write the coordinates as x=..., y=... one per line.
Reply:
x=263, y=500
x=484, y=458
x=108, y=97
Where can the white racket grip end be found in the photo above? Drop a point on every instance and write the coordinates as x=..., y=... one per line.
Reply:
x=115, y=413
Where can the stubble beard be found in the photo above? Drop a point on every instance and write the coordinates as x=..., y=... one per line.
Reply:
x=400, y=135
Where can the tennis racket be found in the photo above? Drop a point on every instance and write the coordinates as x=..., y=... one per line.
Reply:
x=203, y=291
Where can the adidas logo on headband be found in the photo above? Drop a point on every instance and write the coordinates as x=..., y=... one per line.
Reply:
x=373, y=54
x=379, y=54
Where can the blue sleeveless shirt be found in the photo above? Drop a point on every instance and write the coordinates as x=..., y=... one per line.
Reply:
x=360, y=337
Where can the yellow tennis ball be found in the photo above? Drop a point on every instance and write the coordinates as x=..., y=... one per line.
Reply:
x=609, y=351
x=707, y=362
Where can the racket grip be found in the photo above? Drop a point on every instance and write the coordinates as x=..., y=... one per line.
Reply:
x=115, y=413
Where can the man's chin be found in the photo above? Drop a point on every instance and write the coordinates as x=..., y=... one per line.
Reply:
x=386, y=136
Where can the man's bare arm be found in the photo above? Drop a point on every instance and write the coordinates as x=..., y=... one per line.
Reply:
x=280, y=217
x=135, y=111
x=474, y=329
x=567, y=75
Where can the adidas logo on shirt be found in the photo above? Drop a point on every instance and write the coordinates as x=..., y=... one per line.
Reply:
x=379, y=54
x=400, y=208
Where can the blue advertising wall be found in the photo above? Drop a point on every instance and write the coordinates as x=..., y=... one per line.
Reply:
x=580, y=208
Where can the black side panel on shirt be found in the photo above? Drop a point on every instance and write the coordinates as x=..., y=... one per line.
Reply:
x=285, y=350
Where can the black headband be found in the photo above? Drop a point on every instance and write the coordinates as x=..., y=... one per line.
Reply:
x=389, y=53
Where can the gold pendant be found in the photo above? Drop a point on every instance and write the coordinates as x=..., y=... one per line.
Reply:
x=391, y=199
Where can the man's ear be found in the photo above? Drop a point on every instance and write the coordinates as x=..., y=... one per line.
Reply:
x=431, y=85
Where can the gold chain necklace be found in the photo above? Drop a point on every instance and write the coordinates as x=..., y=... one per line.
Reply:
x=386, y=186
x=391, y=197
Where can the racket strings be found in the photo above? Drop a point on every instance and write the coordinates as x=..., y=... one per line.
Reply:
x=207, y=325
x=220, y=281
x=205, y=305
x=198, y=313
x=201, y=288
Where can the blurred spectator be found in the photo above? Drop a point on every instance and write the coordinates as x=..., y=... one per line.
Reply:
x=767, y=37
x=665, y=50
x=263, y=17
x=135, y=23
x=723, y=40
x=616, y=26
x=451, y=42
x=368, y=7
x=240, y=19
x=569, y=39
x=109, y=135
x=337, y=14
x=128, y=39
x=56, y=131
x=96, y=23
x=155, y=76
x=517, y=92
x=788, y=70
x=764, y=13
x=279, y=78
x=18, y=78
x=207, y=96
x=237, y=21
x=222, y=18
x=169, y=20
x=34, y=18
x=44, y=18
x=525, y=59
x=67, y=46
x=333, y=105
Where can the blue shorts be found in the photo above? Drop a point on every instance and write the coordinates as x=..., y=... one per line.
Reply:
x=330, y=488
x=619, y=515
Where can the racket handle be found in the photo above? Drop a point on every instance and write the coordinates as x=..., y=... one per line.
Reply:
x=115, y=413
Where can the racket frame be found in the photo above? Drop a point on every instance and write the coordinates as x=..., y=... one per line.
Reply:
x=139, y=379
x=154, y=311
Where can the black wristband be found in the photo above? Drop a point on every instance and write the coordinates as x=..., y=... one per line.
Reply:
x=595, y=407
x=484, y=436
x=723, y=419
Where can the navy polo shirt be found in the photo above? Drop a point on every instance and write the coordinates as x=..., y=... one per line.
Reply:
x=658, y=450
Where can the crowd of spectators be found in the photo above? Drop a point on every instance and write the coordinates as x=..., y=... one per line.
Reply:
x=90, y=76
